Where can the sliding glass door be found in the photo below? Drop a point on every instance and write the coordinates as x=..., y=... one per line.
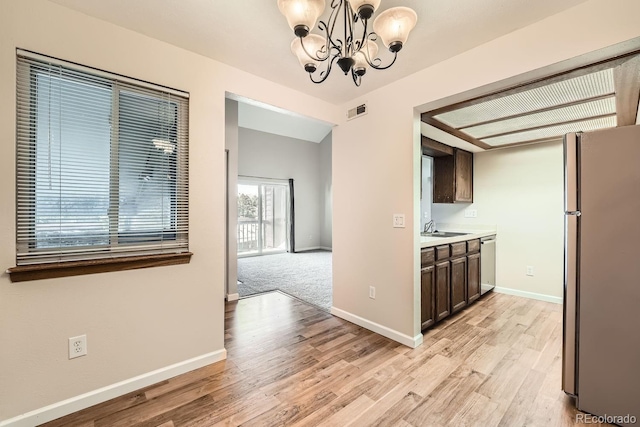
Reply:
x=263, y=216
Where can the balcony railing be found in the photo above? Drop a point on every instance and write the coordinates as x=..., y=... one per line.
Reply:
x=248, y=235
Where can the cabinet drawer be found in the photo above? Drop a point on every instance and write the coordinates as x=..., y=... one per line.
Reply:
x=427, y=256
x=473, y=245
x=442, y=252
x=459, y=248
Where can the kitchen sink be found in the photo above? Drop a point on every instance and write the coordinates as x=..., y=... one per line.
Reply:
x=443, y=234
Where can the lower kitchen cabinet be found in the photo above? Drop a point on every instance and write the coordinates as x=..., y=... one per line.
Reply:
x=473, y=277
x=458, y=284
x=427, y=279
x=450, y=279
x=442, y=288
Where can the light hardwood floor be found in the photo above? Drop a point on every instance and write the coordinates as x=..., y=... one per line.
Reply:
x=497, y=363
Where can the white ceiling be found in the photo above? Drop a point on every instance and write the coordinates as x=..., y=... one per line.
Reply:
x=267, y=119
x=253, y=36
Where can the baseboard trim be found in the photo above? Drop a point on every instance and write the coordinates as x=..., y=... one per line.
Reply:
x=417, y=340
x=326, y=248
x=310, y=248
x=233, y=297
x=74, y=404
x=412, y=342
x=531, y=295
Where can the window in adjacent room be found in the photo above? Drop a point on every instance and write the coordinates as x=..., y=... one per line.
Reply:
x=102, y=165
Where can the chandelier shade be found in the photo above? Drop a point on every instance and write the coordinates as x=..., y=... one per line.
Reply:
x=312, y=53
x=365, y=8
x=345, y=36
x=393, y=26
x=301, y=14
x=364, y=56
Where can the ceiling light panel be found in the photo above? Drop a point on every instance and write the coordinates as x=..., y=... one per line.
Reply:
x=553, y=131
x=562, y=92
x=564, y=114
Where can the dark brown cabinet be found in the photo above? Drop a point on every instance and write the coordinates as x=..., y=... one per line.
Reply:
x=458, y=284
x=450, y=279
x=453, y=177
x=428, y=296
x=463, y=176
x=473, y=277
x=442, y=288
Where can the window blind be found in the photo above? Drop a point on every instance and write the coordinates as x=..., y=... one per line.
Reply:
x=102, y=165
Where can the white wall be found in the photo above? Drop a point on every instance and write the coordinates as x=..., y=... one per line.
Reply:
x=266, y=155
x=521, y=191
x=136, y=321
x=326, y=194
x=376, y=167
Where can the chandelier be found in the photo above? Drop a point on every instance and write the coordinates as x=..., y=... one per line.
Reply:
x=356, y=48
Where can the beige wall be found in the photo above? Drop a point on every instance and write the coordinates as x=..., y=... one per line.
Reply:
x=521, y=191
x=376, y=157
x=135, y=321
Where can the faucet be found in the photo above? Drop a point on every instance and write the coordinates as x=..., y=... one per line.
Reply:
x=430, y=226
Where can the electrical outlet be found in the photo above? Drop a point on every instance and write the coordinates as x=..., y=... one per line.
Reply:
x=471, y=213
x=77, y=346
x=398, y=220
x=529, y=270
x=372, y=292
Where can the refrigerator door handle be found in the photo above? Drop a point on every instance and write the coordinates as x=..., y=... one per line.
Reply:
x=570, y=312
x=576, y=213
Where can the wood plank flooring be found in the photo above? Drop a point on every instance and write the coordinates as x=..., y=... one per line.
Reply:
x=497, y=363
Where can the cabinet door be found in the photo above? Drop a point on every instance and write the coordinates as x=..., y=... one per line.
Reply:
x=458, y=283
x=442, y=290
x=428, y=296
x=443, y=179
x=464, y=176
x=473, y=277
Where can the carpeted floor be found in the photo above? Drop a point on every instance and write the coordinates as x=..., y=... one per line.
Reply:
x=304, y=275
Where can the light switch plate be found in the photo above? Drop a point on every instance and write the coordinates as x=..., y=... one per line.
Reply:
x=398, y=220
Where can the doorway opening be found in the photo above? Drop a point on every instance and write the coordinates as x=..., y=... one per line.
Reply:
x=279, y=212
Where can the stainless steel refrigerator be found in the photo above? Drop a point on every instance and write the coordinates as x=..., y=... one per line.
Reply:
x=601, y=345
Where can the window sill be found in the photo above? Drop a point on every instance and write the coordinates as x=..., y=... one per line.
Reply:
x=25, y=273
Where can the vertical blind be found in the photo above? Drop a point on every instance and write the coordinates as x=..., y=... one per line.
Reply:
x=102, y=164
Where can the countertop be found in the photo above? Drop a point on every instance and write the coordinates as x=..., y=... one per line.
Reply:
x=426, y=241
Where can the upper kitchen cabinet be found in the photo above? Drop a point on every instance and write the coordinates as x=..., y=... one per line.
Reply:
x=453, y=178
x=452, y=172
x=463, y=175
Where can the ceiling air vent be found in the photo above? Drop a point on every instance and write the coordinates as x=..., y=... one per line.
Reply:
x=358, y=111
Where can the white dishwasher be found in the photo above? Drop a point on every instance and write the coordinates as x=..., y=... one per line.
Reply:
x=487, y=264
